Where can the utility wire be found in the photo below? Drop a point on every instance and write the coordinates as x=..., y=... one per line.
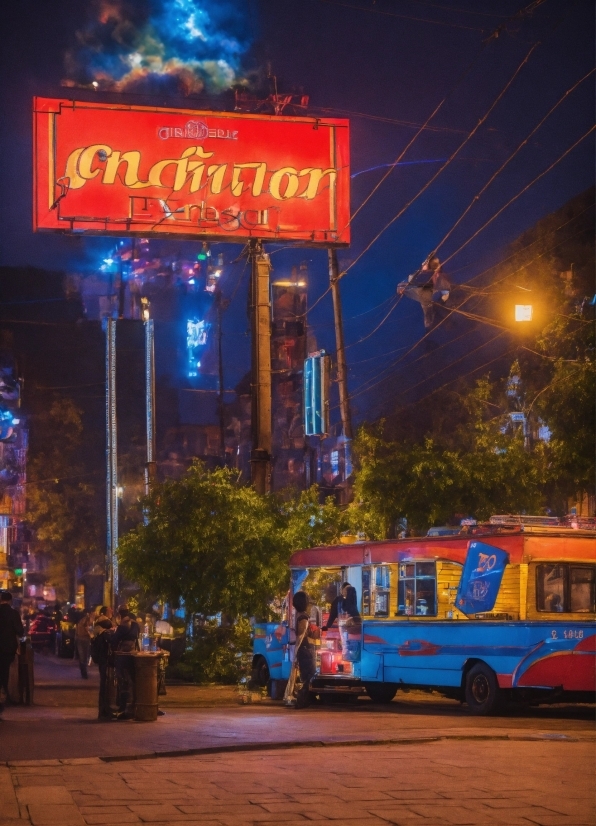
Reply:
x=403, y=16
x=512, y=156
x=380, y=403
x=379, y=325
x=469, y=353
x=509, y=275
x=446, y=164
x=521, y=192
x=459, y=11
x=464, y=286
x=418, y=133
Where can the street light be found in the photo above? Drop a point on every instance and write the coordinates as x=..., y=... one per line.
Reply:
x=524, y=312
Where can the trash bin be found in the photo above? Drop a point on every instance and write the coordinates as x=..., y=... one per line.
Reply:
x=146, y=670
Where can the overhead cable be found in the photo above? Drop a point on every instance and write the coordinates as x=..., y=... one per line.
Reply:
x=468, y=137
x=511, y=157
x=521, y=192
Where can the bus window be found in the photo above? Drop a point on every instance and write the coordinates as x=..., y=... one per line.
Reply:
x=582, y=596
x=376, y=588
x=366, y=591
x=565, y=588
x=382, y=589
x=551, y=588
x=417, y=589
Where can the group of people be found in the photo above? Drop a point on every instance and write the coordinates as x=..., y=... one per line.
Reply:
x=343, y=605
x=99, y=636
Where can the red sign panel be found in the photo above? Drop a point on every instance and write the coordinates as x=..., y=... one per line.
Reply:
x=135, y=170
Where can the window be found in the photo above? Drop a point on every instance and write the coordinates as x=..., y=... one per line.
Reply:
x=417, y=589
x=565, y=588
x=376, y=585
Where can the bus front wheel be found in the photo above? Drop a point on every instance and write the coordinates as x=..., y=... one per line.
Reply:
x=482, y=689
x=381, y=692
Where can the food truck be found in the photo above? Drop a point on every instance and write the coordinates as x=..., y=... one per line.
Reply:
x=508, y=611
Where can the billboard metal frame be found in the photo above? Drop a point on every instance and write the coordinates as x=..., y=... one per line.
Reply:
x=123, y=170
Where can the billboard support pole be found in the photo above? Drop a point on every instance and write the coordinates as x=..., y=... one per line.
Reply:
x=111, y=578
x=261, y=368
x=342, y=371
x=220, y=396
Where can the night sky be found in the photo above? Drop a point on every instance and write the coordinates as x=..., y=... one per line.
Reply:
x=386, y=65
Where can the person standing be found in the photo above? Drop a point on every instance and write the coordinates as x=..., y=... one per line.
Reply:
x=83, y=643
x=11, y=628
x=100, y=650
x=124, y=643
x=305, y=652
x=336, y=604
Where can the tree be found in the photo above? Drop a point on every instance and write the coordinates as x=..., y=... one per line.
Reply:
x=220, y=546
x=62, y=500
x=469, y=468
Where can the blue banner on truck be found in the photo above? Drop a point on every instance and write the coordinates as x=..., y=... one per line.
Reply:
x=481, y=578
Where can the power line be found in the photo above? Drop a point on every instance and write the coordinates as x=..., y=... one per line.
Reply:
x=402, y=16
x=477, y=276
x=459, y=11
x=469, y=353
x=519, y=194
x=396, y=121
x=446, y=164
x=379, y=325
x=401, y=155
x=509, y=275
x=457, y=378
x=512, y=156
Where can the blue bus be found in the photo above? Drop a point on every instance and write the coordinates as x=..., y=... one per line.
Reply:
x=504, y=612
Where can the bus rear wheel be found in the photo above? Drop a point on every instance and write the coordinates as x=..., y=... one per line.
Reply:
x=260, y=672
x=381, y=692
x=482, y=690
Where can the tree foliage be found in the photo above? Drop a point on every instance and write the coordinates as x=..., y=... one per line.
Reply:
x=63, y=503
x=220, y=546
x=472, y=469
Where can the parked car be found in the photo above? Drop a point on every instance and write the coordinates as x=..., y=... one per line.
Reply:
x=42, y=631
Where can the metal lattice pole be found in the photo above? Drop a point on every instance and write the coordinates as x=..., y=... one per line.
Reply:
x=150, y=402
x=111, y=583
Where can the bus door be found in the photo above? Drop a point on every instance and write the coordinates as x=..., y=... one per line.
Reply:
x=341, y=644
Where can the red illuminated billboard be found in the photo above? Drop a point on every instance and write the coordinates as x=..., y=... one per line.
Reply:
x=108, y=169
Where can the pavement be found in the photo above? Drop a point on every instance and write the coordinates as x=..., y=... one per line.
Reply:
x=211, y=761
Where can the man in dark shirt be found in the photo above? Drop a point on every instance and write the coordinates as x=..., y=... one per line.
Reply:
x=124, y=643
x=102, y=634
x=11, y=628
x=336, y=604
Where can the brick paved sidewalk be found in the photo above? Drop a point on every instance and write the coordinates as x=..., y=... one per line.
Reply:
x=446, y=783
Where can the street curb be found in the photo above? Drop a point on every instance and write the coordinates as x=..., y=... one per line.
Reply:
x=298, y=744
x=309, y=744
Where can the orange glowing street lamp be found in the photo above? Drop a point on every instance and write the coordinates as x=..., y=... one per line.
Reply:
x=524, y=312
